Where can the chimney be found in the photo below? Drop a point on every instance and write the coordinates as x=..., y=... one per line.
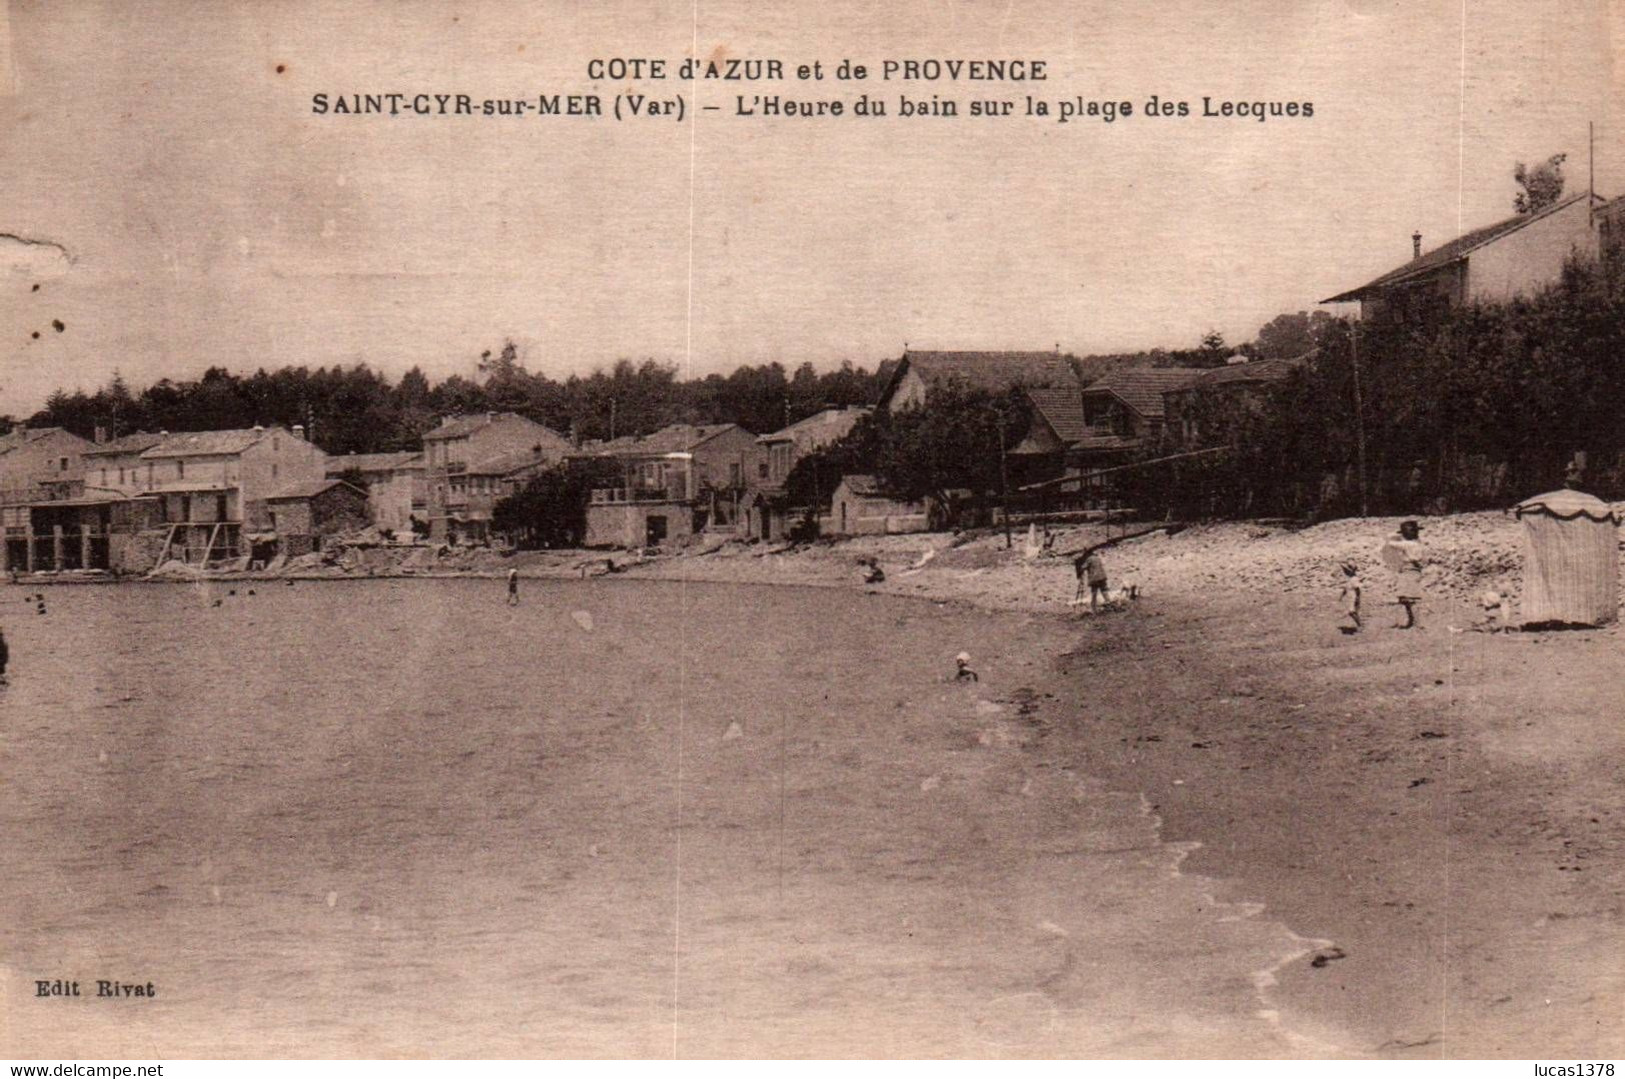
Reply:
x=490, y=417
x=101, y=434
x=1416, y=245
x=299, y=430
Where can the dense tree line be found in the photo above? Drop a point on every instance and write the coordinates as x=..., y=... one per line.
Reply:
x=1477, y=408
x=358, y=409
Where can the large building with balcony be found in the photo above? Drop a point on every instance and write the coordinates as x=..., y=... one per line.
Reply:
x=198, y=496
x=678, y=481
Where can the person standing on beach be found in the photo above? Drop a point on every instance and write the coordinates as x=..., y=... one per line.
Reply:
x=1091, y=570
x=513, y=588
x=1351, y=597
x=1403, y=555
x=5, y=657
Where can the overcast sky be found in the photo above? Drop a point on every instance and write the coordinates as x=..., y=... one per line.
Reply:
x=205, y=216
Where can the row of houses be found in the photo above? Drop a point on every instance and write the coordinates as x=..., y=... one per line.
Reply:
x=130, y=503
x=134, y=502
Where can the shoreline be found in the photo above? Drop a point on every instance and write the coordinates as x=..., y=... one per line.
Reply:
x=1397, y=801
x=1468, y=554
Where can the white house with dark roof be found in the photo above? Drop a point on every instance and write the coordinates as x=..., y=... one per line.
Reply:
x=1513, y=257
x=115, y=467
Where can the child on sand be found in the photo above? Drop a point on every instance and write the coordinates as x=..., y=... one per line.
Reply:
x=1351, y=598
x=1403, y=555
x=1091, y=570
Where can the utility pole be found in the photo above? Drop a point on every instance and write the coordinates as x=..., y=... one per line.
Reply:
x=1359, y=410
x=1004, y=486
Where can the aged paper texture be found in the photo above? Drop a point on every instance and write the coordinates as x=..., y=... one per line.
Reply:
x=938, y=529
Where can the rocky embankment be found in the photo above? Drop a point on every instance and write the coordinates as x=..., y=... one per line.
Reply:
x=1469, y=554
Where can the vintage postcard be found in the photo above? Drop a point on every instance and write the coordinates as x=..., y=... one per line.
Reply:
x=945, y=529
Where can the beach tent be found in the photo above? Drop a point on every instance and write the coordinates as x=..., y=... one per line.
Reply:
x=1571, y=560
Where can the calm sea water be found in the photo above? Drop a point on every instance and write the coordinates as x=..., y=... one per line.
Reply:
x=623, y=818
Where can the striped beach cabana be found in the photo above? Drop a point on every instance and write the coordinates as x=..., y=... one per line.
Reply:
x=1571, y=560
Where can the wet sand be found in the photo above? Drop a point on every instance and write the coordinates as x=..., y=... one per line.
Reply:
x=1444, y=808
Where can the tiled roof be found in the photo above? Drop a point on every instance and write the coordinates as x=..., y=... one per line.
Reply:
x=133, y=443
x=23, y=435
x=208, y=443
x=1102, y=443
x=819, y=429
x=1252, y=371
x=862, y=484
x=374, y=462
x=1141, y=388
x=1062, y=409
x=677, y=438
x=189, y=487
x=308, y=489
x=507, y=463
x=1456, y=249
x=993, y=371
x=461, y=426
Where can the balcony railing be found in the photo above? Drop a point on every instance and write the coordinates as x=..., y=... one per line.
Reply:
x=608, y=495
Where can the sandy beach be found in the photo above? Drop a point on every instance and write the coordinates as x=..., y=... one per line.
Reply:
x=1443, y=805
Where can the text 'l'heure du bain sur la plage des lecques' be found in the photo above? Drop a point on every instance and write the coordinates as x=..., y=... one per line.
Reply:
x=923, y=95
